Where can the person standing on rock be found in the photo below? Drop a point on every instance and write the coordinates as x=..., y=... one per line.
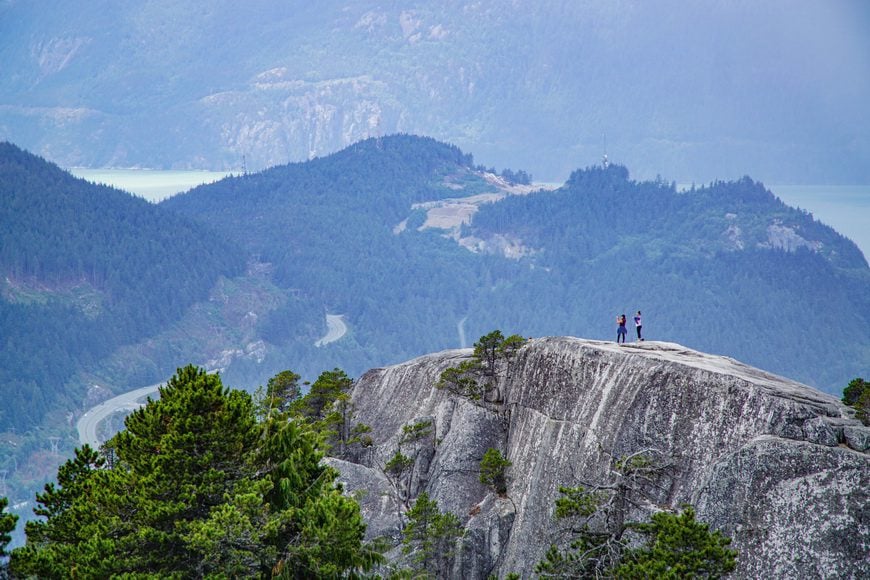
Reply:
x=620, y=328
x=638, y=324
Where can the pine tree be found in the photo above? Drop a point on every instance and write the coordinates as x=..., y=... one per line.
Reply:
x=678, y=547
x=282, y=390
x=7, y=525
x=76, y=536
x=328, y=386
x=430, y=537
x=597, y=522
x=857, y=395
x=314, y=529
x=183, y=453
x=492, y=470
x=197, y=488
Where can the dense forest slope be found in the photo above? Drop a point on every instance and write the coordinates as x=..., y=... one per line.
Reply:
x=368, y=233
x=531, y=84
x=85, y=269
x=329, y=230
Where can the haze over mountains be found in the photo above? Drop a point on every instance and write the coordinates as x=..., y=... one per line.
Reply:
x=695, y=92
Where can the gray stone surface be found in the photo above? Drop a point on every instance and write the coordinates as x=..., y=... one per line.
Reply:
x=776, y=465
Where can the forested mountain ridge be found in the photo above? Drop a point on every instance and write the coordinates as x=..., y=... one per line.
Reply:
x=86, y=269
x=727, y=268
x=327, y=228
x=720, y=217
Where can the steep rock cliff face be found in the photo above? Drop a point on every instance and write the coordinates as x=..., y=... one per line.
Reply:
x=779, y=467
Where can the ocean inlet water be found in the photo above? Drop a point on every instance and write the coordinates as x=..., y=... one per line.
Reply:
x=152, y=184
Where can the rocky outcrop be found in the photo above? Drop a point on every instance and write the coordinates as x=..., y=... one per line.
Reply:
x=779, y=467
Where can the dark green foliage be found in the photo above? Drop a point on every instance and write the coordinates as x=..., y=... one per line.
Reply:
x=7, y=525
x=282, y=391
x=476, y=378
x=857, y=395
x=197, y=488
x=590, y=551
x=184, y=453
x=89, y=268
x=430, y=537
x=678, y=547
x=595, y=520
x=328, y=409
x=348, y=438
x=326, y=389
x=399, y=468
x=315, y=530
x=492, y=470
x=415, y=433
x=576, y=502
x=559, y=564
x=494, y=347
x=463, y=380
x=55, y=544
x=487, y=350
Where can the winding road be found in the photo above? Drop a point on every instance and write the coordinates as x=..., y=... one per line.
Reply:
x=460, y=327
x=335, y=329
x=87, y=424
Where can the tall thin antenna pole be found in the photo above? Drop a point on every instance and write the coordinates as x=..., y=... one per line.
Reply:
x=379, y=143
x=604, y=161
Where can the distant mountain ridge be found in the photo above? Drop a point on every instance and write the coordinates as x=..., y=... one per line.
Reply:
x=725, y=268
x=547, y=86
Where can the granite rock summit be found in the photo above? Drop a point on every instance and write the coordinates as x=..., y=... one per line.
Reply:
x=779, y=467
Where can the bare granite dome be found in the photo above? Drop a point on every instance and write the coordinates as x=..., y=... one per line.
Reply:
x=779, y=467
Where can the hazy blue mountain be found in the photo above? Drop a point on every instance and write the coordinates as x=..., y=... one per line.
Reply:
x=726, y=268
x=696, y=92
x=327, y=230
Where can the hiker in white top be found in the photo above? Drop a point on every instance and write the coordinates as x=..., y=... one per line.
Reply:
x=638, y=323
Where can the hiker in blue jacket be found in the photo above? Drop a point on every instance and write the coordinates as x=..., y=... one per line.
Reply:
x=620, y=328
